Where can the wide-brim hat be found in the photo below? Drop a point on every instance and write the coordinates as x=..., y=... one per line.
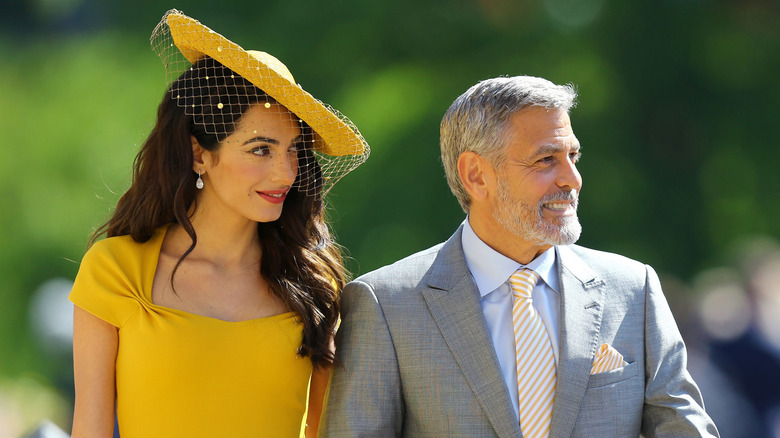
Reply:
x=334, y=134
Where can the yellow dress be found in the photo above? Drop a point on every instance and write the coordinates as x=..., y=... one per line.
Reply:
x=180, y=374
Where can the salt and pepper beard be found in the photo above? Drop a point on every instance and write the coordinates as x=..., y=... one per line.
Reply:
x=527, y=221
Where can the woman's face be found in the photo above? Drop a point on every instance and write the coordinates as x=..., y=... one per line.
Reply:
x=249, y=175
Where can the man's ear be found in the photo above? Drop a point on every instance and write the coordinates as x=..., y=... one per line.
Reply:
x=476, y=175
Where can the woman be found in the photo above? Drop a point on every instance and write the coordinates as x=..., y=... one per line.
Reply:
x=210, y=307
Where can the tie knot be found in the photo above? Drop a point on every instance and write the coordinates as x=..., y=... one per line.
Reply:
x=523, y=282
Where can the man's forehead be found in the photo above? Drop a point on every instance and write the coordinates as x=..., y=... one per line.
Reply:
x=540, y=130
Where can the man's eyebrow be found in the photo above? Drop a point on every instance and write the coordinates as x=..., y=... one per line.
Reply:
x=551, y=148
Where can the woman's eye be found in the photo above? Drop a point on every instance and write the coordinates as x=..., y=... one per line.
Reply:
x=260, y=151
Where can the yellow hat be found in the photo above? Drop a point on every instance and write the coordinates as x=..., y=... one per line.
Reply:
x=336, y=137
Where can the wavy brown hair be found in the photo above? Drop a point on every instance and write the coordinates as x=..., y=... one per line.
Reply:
x=301, y=262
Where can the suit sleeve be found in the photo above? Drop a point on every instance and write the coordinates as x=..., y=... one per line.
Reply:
x=673, y=404
x=365, y=390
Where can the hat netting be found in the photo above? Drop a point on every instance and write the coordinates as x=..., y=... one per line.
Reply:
x=217, y=82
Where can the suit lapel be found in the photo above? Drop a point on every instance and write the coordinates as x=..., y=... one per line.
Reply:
x=452, y=299
x=582, y=306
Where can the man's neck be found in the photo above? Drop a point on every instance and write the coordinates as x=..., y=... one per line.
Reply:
x=504, y=241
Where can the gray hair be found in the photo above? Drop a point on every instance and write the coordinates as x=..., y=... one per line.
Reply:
x=478, y=120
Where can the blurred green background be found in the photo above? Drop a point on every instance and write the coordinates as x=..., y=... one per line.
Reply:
x=677, y=118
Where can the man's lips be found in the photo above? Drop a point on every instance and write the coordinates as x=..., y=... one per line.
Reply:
x=558, y=206
x=564, y=203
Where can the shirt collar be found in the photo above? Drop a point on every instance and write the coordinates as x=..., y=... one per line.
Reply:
x=491, y=269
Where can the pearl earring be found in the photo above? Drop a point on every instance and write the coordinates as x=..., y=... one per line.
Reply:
x=199, y=182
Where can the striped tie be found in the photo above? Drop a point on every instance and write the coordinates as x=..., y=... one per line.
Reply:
x=535, y=359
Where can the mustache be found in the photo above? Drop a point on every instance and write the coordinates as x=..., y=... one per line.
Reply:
x=570, y=196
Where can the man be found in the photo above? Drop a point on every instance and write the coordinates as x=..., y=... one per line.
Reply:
x=509, y=329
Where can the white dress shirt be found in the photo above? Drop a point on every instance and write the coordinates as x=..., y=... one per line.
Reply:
x=491, y=271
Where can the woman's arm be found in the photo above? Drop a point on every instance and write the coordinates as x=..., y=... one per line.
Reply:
x=95, y=344
x=319, y=385
x=317, y=390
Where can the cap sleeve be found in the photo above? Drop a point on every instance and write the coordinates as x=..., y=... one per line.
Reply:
x=107, y=283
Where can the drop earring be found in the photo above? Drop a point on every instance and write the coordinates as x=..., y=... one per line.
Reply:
x=199, y=182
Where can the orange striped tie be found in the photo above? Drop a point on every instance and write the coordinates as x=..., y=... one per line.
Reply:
x=535, y=359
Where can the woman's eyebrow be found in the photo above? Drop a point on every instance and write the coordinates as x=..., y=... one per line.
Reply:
x=262, y=140
x=270, y=140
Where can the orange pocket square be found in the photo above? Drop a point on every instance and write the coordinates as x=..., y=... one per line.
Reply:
x=607, y=359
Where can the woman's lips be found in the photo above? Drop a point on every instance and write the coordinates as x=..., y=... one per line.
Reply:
x=274, y=196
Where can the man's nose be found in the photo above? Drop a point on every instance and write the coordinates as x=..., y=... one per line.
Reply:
x=569, y=177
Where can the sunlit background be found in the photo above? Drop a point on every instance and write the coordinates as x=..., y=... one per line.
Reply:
x=677, y=118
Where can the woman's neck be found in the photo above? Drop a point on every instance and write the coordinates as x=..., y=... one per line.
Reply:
x=223, y=243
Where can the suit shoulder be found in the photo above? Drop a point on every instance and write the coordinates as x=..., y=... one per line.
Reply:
x=608, y=263
x=411, y=268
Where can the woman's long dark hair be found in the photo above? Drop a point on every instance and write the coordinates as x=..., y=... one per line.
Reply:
x=300, y=261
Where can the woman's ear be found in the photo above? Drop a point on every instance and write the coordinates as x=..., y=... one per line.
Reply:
x=198, y=156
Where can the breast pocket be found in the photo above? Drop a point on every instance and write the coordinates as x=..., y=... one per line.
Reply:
x=614, y=376
x=612, y=405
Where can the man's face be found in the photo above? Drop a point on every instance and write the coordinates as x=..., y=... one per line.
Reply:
x=538, y=184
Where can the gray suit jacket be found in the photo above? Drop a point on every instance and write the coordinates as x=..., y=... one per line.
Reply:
x=417, y=359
